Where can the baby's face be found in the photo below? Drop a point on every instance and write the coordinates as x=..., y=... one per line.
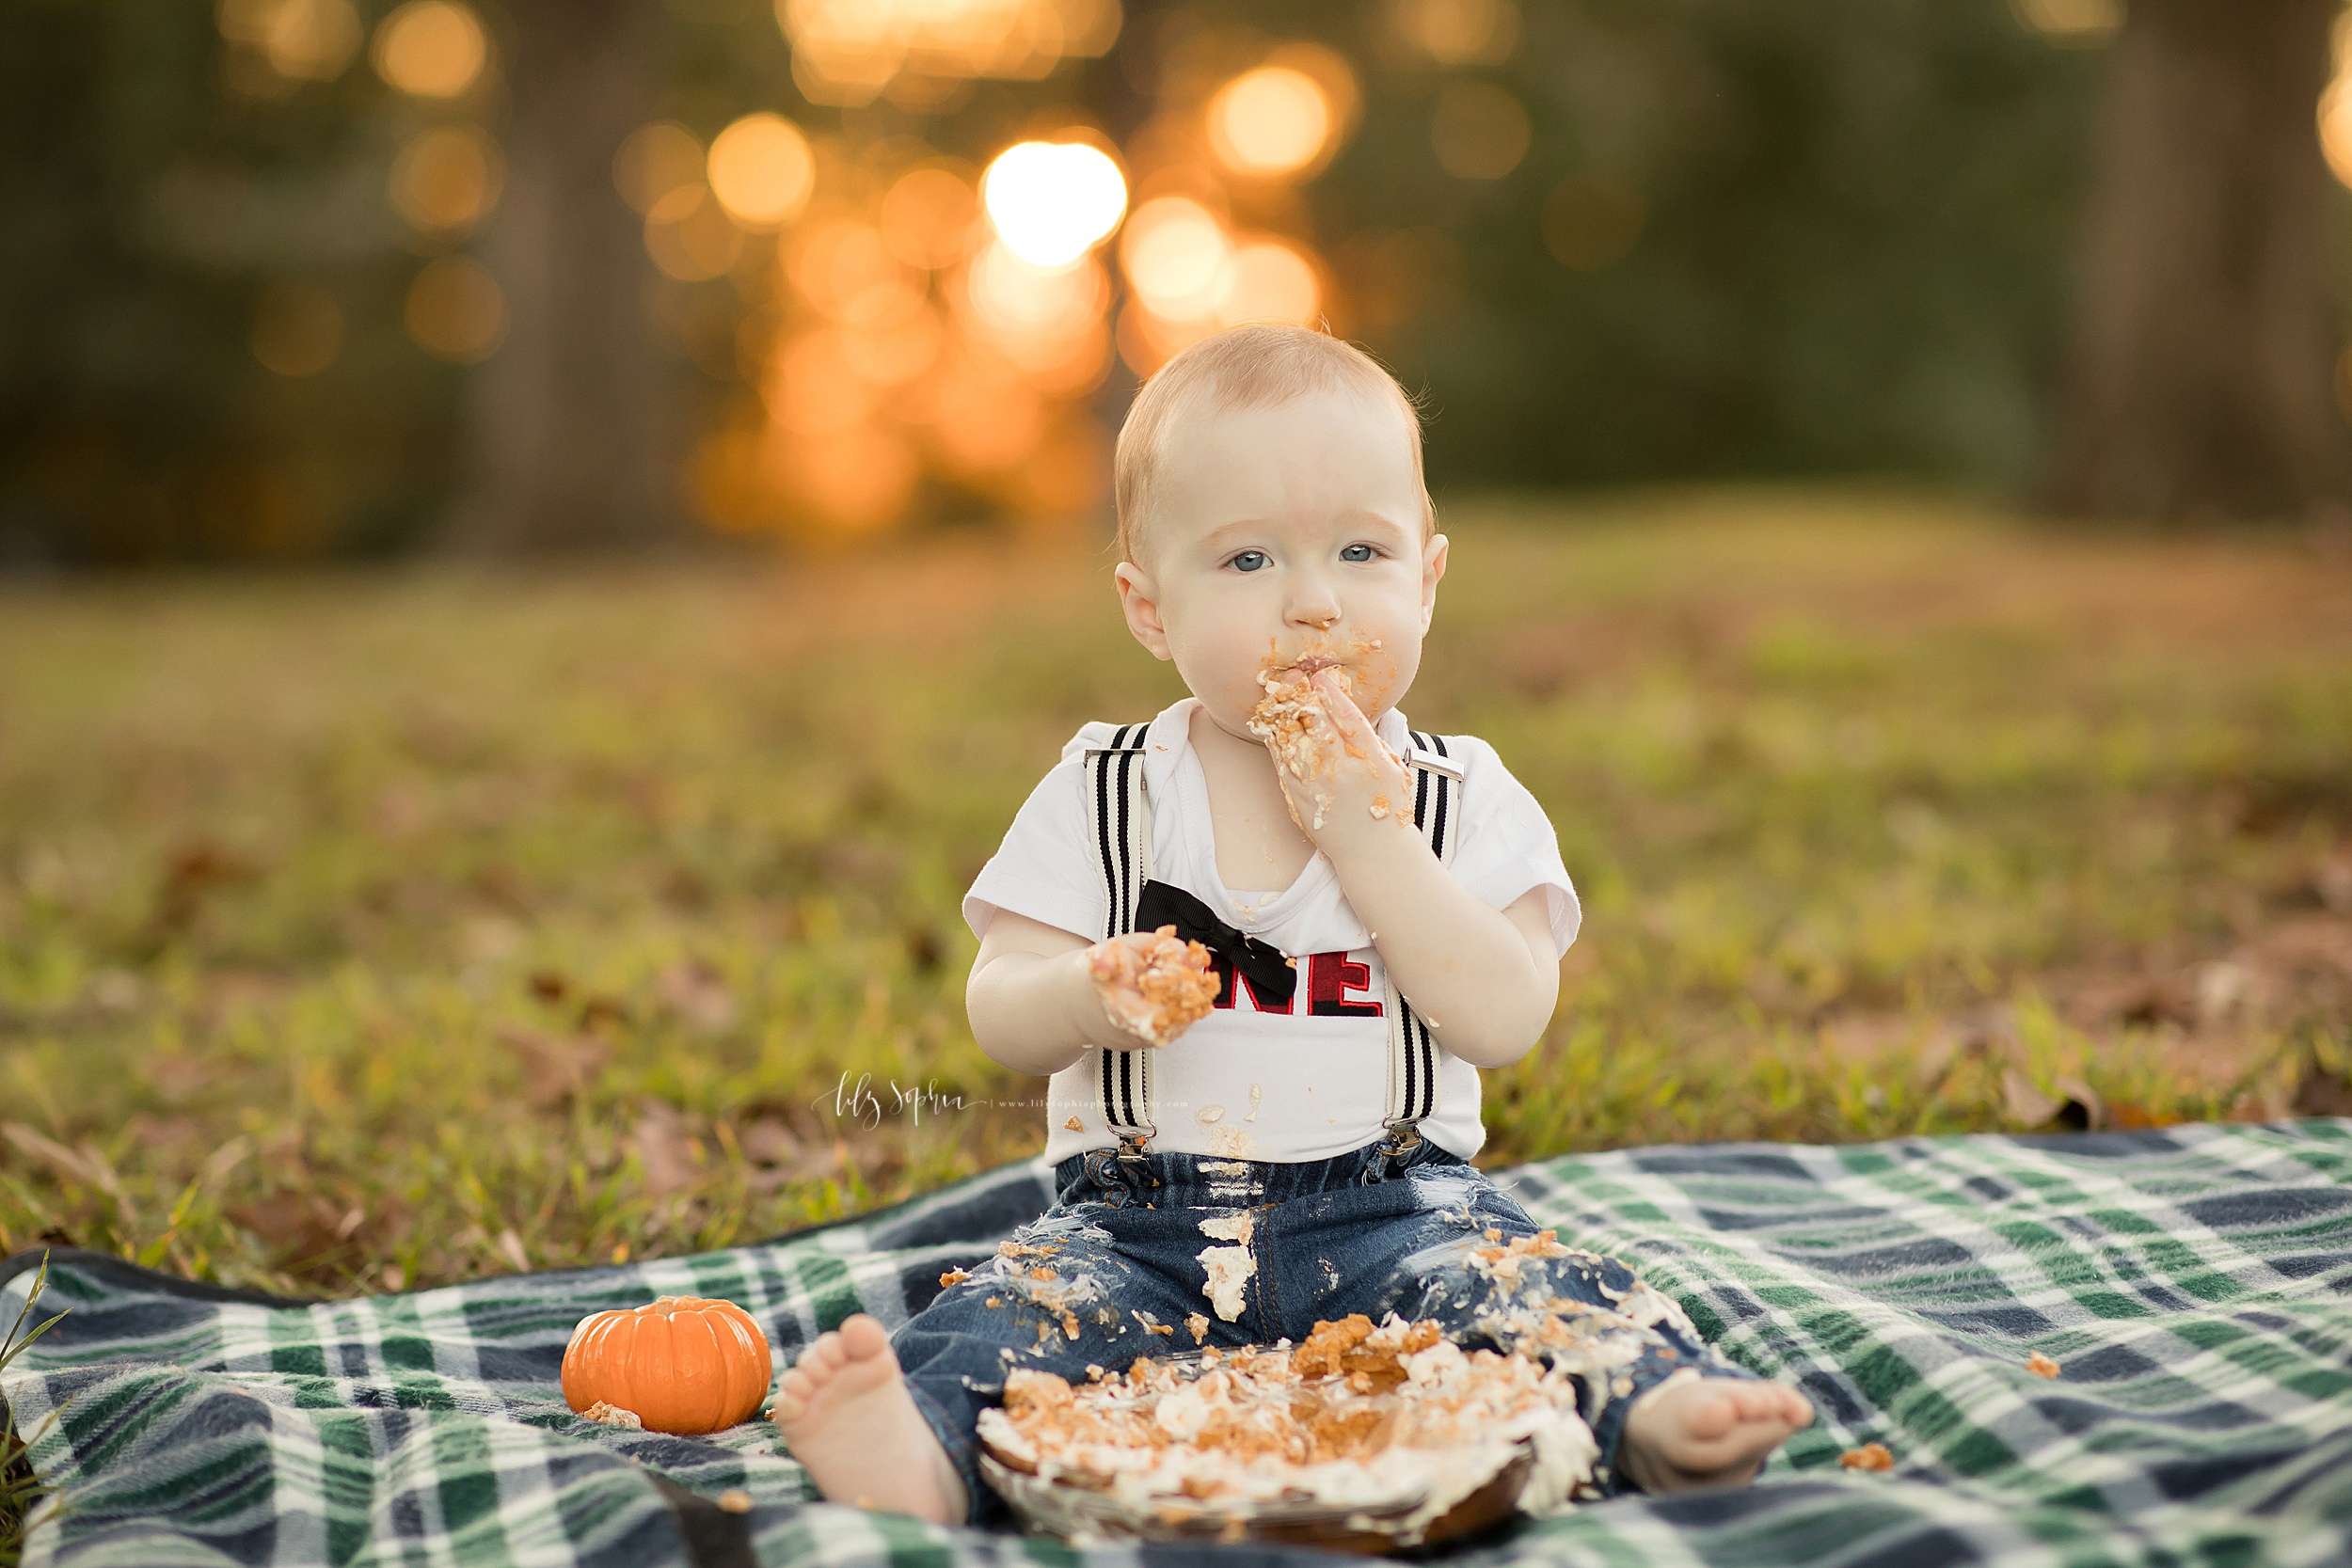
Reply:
x=1289, y=535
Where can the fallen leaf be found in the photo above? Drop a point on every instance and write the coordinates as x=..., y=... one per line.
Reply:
x=2320, y=1093
x=510, y=1247
x=770, y=1142
x=2079, y=1109
x=665, y=1149
x=698, y=994
x=1870, y=1456
x=556, y=1068
x=300, y=1227
x=601, y=1012
x=84, y=1165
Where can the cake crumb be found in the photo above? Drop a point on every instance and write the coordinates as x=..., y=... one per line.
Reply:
x=2040, y=1365
x=1870, y=1456
x=1156, y=991
x=612, y=1416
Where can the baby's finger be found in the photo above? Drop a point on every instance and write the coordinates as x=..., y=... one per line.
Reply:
x=1340, y=709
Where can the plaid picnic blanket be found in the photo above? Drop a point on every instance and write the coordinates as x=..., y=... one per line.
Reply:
x=2189, y=1282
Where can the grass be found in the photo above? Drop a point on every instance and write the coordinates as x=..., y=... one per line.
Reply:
x=18, y=1489
x=367, y=932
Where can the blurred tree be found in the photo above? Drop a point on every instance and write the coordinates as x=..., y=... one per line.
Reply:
x=201, y=284
x=1810, y=236
x=2203, y=342
x=1614, y=240
x=567, y=425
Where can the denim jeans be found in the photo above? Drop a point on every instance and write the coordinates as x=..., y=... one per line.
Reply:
x=1116, y=1268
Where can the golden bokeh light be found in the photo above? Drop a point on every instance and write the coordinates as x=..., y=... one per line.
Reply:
x=689, y=236
x=1066, y=472
x=981, y=418
x=835, y=262
x=1458, y=32
x=762, y=171
x=456, y=311
x=655, y=160
x=297, y=329
x=814, y=387
x=847, y=52
x=1046, y=322
x=1177, y=258
x=855, y=480
x=1146, y=342
x=1272, y=282
x=927, y=219
x=446, y=180
x=431, y=48
x=2070, y=22
x=2335, y=127
x=308, y=40
x=1590, y=221
x=1051, y=202
x=891, y=335
x=1018, y=300
x=1270, y=121
x=726, y=481
x=1480, y=131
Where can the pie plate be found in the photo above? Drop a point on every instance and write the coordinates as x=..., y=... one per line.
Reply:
x=1339, y=1504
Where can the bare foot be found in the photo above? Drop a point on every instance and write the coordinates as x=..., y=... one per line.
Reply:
x=1706, y=1432
x=846, y=1414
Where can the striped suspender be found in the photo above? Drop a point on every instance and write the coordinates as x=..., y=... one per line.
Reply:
x=1412, y=1050
x=1123, y=850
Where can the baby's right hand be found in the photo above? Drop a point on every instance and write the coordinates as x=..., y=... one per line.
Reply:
x=1152, y=986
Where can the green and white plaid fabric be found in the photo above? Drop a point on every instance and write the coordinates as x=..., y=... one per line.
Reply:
x=2191, y=1283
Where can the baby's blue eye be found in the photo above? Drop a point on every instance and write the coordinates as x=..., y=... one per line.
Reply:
x=1250, y=561
x=1357, y=552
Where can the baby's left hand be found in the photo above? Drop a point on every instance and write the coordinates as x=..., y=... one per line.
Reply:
x=1359, y=792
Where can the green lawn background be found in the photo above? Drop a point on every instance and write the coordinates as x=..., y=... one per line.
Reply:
x=365, y=931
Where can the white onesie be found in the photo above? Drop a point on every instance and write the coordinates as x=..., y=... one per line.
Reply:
x=1304, y=1081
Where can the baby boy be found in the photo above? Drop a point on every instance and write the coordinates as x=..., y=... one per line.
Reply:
x=1263, y=946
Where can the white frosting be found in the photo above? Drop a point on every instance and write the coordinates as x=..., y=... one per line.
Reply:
x=1454, y=1425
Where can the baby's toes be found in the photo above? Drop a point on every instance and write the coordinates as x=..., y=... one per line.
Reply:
x=793, y=1391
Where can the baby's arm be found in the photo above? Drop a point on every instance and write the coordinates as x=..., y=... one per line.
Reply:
x=1485, y=979
x=1039, y=996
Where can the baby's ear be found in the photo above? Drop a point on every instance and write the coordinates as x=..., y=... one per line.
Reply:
x=1433, y=557
x=1139, y=597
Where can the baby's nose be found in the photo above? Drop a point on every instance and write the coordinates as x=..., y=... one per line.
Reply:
x=1317, y=609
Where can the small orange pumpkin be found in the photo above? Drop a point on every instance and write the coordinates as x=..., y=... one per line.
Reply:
x=684, y=1365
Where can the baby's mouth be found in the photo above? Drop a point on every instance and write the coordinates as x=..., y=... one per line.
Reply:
x=1318, y=655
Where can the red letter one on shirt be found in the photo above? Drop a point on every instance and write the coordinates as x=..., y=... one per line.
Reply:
x=1329, y=978
x=1226, y=993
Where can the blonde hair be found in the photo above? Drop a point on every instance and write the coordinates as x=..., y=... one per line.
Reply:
x=1242, y=367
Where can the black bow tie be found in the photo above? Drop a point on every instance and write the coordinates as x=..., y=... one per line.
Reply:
x=1270, y=973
